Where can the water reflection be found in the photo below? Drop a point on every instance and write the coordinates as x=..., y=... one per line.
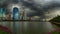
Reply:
x=27, y=27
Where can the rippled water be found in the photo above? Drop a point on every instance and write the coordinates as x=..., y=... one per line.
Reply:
x=26, y=27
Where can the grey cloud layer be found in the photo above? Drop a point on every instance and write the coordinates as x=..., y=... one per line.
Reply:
x=44, y=6
x=39, y=6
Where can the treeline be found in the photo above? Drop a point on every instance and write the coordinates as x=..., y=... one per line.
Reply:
x=55, y=19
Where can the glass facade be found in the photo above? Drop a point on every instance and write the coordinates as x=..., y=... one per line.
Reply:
x=15, y=13
x=2, y=13
x=27, y=17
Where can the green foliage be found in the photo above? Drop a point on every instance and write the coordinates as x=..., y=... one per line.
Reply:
x=4, y=32
x=55, y=19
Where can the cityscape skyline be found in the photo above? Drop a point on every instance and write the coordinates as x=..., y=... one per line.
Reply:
x=47, y=9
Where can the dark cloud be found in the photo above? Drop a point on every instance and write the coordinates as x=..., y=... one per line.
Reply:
x=15, y=1
x=38, y=11
x=41, y=11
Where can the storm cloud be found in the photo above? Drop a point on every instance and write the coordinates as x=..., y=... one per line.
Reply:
x=43, y=7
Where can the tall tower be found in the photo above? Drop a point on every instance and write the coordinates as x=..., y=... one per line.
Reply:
x=15, y=13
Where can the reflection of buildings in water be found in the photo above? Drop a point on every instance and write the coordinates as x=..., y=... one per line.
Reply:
x=26, y=27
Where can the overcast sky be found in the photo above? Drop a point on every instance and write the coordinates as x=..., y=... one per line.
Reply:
x=42, y=8
x=47, y=8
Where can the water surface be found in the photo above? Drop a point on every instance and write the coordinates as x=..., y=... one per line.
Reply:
x=29, y=27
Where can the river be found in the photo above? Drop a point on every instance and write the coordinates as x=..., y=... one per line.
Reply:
x=29, y=27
